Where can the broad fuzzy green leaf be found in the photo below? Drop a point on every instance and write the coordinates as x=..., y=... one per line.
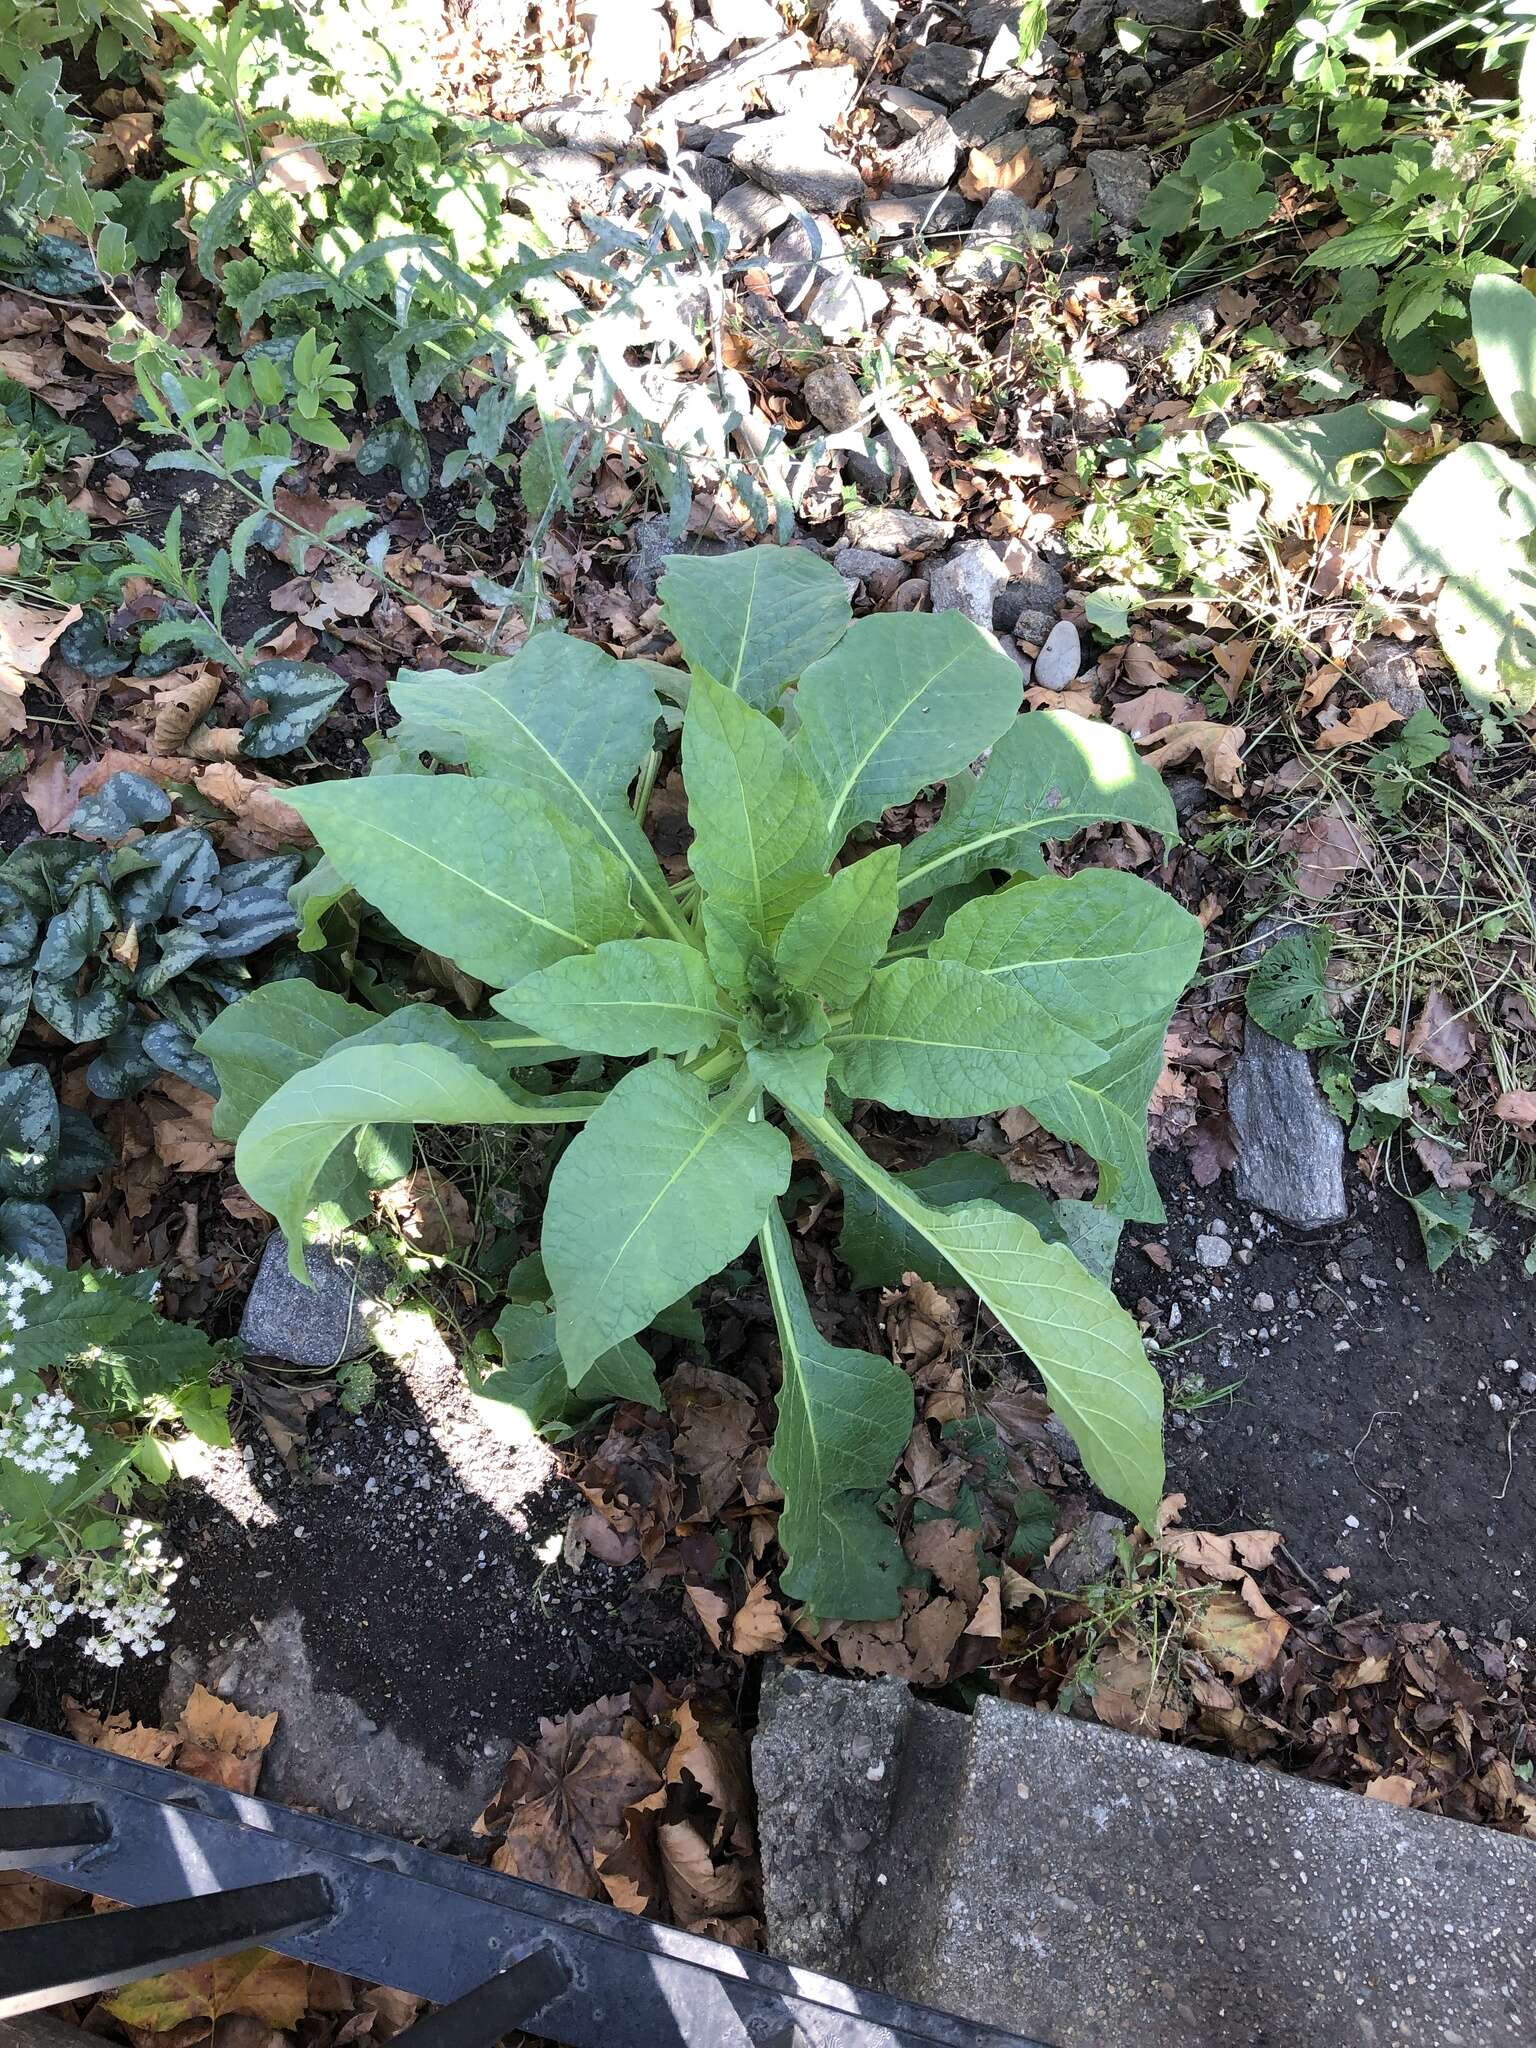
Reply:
x=756, y=619
x=1083, y=1344
x=483, y=872
x=760, y=844
x=878, y=1246
x=833, y=943
x=1469, y=523
x=902, y=701
x=630, y=996
x=531, y=1382
x=1105, y=1111
x=844, y=1419
x=1333, y=458
x=268, y=1036
x=937, y=1038
x=795, y=1075
x=285, y=1146
x=561, y=718
x=1504, y=325
x=1099, y=949
x=1050, y=774
x=656, y=1194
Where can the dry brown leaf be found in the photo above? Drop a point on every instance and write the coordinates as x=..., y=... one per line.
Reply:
x=181, y=1120
x=1237, y=1640
x=698, y=1884
x=118, y=1736
x=1151, y=712
x=1393, y=1791
x=1440, y=1035
x=429, y=1212
x=988, y=1618
x=218, y=1724
x=1328, y=849
x=1517, y=1106
x=931, y=1636
x=1363, y=723
x=1219, y=749
x=712, y=1610
x=759, y=1623
x=296, y=165
x=27, y=634
x=948, y=1550
x=1319, y=686
x=991, y=170
x=181, y=702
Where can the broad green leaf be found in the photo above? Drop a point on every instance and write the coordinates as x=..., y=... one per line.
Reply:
x=630, y=996
x=1105, y=1111
x=844, y=1419
x=1287, y=992
x=834, y=942
x=285, y=1146
x=1476, y=503
x=1050, y=774
x=936, y=1038
x=760, y=844
x=661, y=1189
x=1469, y=523
x=29, y=1132
x=795, y=1075
x=901, y=702
x=1083, y=1344
x=1333, y=458
x=285, y=1028
x=1504, y=326
x=531, y=1383
x=561, y=718
x=756, y=619
x=267, y=1037
x=1098, y=949
x=483, y=872
x=878, y=1246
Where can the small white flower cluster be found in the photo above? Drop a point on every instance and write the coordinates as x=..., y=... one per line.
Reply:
x=18, y=1279
x=31, y=1610
x=44, y=1437
x=124, y=1596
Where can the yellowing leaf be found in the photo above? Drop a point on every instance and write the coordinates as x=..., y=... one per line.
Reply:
x=1237, y=1640
x=272, y=1987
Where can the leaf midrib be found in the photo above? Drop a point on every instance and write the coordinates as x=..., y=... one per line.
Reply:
x=869, y=753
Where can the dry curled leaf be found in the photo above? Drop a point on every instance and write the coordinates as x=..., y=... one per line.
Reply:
x=1218, y=748
x=1363, y=723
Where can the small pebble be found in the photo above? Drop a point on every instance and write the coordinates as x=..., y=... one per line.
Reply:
x=1213, y=1252
x=1060, y=658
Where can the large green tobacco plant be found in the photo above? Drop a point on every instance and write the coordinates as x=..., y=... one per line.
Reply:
x=770, y=980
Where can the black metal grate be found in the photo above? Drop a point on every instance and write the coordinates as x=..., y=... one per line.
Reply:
x=207, y=1872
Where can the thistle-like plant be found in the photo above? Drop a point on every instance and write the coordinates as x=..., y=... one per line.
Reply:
x=767, y=991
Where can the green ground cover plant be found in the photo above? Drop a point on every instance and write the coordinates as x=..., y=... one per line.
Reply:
x=90, y=1379
x=127, y=939
x=775, y=986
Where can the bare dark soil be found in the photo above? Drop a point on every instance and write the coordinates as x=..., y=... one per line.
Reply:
x=423, y=1558
x=1382, y=1417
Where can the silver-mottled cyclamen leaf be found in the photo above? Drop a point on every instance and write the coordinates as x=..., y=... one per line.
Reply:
x=1099, y=949
x=844, y=1419
x=1083, y=1344
x=630, y=996
x=662, y=1188
x=902, y=701
x=936, y=1038
x=483, y=872
x=1049, y=775
x=760, y=843
x=561, y=718
x=754, y=620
